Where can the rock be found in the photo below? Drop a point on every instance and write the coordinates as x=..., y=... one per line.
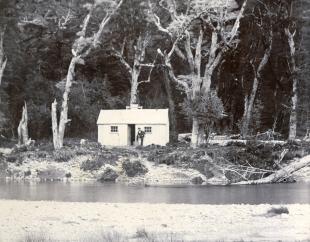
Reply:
x=218, y=181
x=108, y=175
x=197, y=180
x=274, y=211
x=5, y=151
x=51, y=172
x=83, y=142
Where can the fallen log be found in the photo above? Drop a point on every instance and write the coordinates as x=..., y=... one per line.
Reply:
x=281, y=174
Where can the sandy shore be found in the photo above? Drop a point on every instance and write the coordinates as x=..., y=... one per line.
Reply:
x=73, y=221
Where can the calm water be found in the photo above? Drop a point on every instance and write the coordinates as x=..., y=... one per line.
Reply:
x=98, y=192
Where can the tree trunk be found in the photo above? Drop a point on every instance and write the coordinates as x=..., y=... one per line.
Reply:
x=3, y=59
x=195, y=133
x=136, y=69
x=134, y=85
x=281, y=174
x=294, y=98
x=249, y=102
x=173, y=134
x=248, y=108
x=55, y=126
x=79, y=51
x=22, y=130
x=293, y=115
x=59, y=129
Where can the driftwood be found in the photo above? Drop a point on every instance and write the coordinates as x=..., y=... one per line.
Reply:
x=281, y=174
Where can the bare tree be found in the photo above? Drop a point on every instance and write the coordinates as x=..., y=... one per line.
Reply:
x=135, y=68
x=250, y=99
x=3, y=59
x=196, y=45
x=80, y=49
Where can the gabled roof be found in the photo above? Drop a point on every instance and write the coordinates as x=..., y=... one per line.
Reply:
x=134, y=116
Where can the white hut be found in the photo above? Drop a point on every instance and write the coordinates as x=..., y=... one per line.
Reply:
x=120, y=127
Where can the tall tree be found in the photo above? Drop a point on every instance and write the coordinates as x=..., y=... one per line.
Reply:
x=3, y=59
x=201, y=33
x=80, y=50
x=134, y=36
x=264, y=28
x=290, y=32
x=134, y=69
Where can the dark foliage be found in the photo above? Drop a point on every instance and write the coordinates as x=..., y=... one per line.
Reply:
x=39, y=55
x=98, y=161
x=134, y=168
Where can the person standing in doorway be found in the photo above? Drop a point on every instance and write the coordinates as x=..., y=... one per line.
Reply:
x=140, y=136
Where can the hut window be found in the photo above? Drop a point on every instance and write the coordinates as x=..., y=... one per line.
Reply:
x=114, y=129
x=148, y=129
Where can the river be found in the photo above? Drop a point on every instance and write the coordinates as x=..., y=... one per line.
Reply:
x=118, y=193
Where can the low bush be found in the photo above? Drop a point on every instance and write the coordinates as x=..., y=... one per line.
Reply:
x=99, y=160
x=92, y=164
x=134, y=168
x=108, y=175
x=68, y=175
x=14, y=158
x=36, y=237
x=63, y=155
x=27, y=173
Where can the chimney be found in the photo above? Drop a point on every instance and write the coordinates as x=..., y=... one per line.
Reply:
x=134, y=107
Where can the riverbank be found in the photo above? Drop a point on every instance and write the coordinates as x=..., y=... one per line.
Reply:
x=153, y=165
x=64, y=221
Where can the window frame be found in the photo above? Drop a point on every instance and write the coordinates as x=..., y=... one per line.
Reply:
x=114, y=129
x=148, y=129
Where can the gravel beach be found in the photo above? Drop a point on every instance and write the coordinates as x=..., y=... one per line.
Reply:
x=67, y=221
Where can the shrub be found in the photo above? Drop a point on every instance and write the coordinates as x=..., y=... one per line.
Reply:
x=68, y=175
x=36, y=237
x=41, y=154
x=134, y=168
x=15, y=158
x=27, y=173
x=109, y=175
x=63, y=155
x=93, y=164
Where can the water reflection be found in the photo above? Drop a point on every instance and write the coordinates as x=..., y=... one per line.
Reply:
x=98, y=192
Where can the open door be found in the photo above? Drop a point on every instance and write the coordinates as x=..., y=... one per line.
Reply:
x=132, y=134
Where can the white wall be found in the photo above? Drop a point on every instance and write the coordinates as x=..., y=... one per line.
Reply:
x=106, y=137
x=159, y=135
